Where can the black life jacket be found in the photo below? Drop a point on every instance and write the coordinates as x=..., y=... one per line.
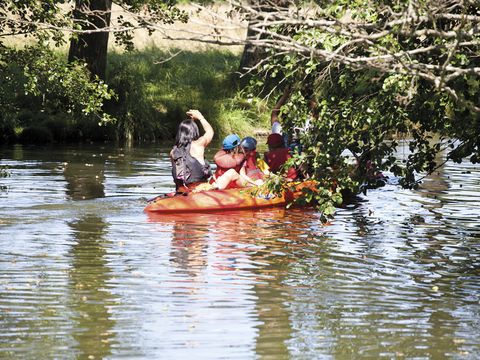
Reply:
x=186, y=169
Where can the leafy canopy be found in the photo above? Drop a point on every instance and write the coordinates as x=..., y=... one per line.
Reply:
x=35, y=70
x=368, y=76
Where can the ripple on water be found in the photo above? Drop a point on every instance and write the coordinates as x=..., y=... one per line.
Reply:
x=83, y=271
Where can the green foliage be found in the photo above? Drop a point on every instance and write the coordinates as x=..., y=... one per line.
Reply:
x=36, y=134
x=45, y=19
x=358, y=115
x=150, y=14
x=39, y=88
x=35, y=78
x=154, y=94
x=36, y=84
x=7, y=132
x=242, y=115
x=29, y=17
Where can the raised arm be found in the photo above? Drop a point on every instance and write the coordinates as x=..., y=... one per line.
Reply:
x=206, y=138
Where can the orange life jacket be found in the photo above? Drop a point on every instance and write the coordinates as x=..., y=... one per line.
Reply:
x=226, y=161
x=251, y=168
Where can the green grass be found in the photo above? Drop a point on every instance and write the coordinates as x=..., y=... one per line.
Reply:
x=156, y=91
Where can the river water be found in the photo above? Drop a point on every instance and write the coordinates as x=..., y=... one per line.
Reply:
x=86, y=274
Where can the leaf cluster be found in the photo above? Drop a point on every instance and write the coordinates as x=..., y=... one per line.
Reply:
x=355, y=118
x=37, y=75
x=30, y=17
x=148, y=13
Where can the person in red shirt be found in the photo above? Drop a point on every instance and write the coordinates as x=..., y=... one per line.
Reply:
x=277, y=155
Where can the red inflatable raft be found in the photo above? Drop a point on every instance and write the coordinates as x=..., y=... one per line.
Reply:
x=229, y=199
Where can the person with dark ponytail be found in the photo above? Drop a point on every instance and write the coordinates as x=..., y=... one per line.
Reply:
x=189, y=166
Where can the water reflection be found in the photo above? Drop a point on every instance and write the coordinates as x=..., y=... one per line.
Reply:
x=396, y=275
x=212, y=287
x=245, y=248
x=90, y=300
x=85, y=180
x=189, y=247
x=358, y=280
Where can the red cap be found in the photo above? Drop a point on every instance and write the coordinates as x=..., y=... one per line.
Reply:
x=275, y=140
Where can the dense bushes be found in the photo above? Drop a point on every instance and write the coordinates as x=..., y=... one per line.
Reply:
x=37, y=84
x=152, y=93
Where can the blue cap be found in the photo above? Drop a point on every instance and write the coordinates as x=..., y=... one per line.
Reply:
x=231, y=142
x=249, y=143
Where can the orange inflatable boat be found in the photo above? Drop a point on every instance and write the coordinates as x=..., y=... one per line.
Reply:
x=222, y=200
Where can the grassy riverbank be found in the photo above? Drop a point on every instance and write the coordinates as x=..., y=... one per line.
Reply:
x=154, y=89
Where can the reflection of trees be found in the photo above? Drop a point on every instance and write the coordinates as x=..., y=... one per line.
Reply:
x=189, y=247
x=296, y=293
x=237, y=237
x=273, y=308
x=361, y=291
x=419, y=296
x=33, y=322
x=275, y=329
x=435, y=185
x=83, y=168
x=432, y=255
x=90, y=299
x=85, y=180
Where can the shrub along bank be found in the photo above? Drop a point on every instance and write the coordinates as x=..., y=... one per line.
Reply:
x=152, y=92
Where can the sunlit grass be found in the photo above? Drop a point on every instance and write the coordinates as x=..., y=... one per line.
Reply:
x=156, y=89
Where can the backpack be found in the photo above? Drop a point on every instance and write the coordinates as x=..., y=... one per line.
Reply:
x=180, y=170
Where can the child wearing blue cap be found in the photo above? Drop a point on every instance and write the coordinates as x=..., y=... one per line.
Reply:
x=230, y=162
x=250, y=169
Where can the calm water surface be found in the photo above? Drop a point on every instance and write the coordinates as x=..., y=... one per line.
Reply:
x=85, y=274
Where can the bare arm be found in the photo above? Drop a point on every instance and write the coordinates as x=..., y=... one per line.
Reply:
x=245, y=177
x=206, y=138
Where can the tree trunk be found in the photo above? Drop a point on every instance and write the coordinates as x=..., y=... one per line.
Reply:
x=252, y=55
x=92, y=48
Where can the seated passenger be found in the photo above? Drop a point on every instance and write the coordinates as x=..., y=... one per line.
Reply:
x=235, y=162
x=229, y=156
x=250, y=167
x=189, y=166
x=229, y=161
x=277, y=155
